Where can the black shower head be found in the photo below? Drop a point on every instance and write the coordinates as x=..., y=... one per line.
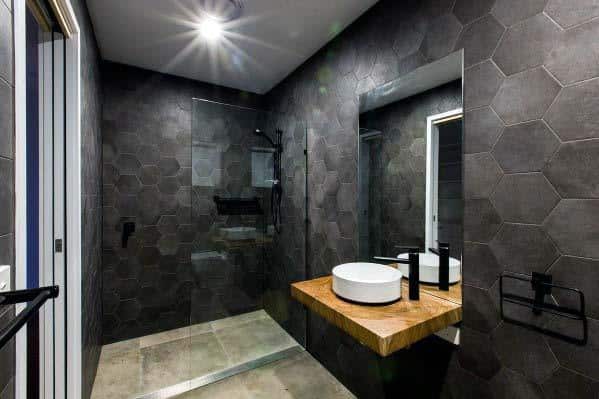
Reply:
x=260, y=133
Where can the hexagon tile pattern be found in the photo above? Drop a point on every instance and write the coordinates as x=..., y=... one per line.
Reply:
x=377, y=48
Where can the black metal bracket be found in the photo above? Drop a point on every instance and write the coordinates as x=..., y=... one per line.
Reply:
x=36, y=298
x=542, y=285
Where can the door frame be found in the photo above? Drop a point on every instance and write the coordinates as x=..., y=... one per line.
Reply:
x=432, y=178
x=72, y=292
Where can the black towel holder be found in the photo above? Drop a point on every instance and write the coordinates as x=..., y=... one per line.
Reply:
x=542, y=285
x=36, y=298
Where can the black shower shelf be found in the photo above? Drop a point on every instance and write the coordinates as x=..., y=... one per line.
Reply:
x=238, y=206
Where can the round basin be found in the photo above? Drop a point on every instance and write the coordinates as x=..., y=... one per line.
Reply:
x=429, y=268
x=367, y=282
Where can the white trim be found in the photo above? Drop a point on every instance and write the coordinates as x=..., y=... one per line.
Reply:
x=432, y=143
x=73, y=216
x=20, y=162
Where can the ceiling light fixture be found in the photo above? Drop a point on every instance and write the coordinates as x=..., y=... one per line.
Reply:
x=222, y=10
x=210, y=29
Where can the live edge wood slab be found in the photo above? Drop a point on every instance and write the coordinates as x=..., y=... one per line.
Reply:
x=383, y=328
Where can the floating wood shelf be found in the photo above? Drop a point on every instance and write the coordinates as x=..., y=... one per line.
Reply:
x=383, y=328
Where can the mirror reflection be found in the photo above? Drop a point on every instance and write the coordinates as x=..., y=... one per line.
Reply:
x=410, y=169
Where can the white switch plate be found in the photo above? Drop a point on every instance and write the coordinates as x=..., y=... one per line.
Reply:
x=4, y=278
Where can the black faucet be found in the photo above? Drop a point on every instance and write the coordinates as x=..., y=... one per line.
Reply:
x=443, y=253
x=414, y=262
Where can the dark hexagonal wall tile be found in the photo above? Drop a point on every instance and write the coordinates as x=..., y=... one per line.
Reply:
x=482, y=128
x=476, y=354
x=468, y=11
x=574, y=226
x=525, y=96
x=168, y=166
x=481, y=175
x=148, y=154
x=574, y=114
x=441, y=37
x=148, y=175
x=524, y=351
x=574, y=170
x=509, y=12
x=128, y=310
x=578, y=44
x=582, y=274
x=481, y=220
x=483, y=269
x=168, y=244
x=481, y=83
x=169, y=185
x=331, y=184
x=526, y=45
x=168, y=224
x=128, y=184
x=525, y=147
x=149, y=235
x=480, y=39
x=583, y=359
x=523, y=248
x=568, y=13
x=480, y=312
x=149, y=256
x=508, y=384
x=565, y=383
x=110, y=174
x=125, y=143
x=127, y=164
x=524, y=198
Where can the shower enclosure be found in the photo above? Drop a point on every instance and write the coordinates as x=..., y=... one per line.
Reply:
x=199, y=245
x=246, y=218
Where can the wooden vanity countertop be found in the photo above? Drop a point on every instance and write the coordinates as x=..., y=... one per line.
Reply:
x=383, y=328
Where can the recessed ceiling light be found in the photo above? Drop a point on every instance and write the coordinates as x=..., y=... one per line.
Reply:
x=211, y=29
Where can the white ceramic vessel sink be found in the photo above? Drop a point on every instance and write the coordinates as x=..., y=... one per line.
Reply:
x=367, y=282
x=238, y=233
x=429, y=268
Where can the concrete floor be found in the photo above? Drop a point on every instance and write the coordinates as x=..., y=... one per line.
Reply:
x=143, y=365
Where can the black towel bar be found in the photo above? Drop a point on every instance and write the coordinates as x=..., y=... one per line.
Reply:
x=36, y=298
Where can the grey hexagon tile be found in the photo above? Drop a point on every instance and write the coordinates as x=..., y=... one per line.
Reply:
x=366, y=61
x=481, y=175
x=441, y=37
x=479, y=40
x=385, y=68
x=569, y=13
x=148, y=175
x=127, y=288
x=524, y=351
x=128, y=184
x=468, y=11
x=168, y=166
x=346, y=87
x=110, y=174
x=168, y=224
x=127, y=164
x=523, y=248
x=582, y=274
x=149, y=235
x=482, y=267
x=574, y=226
x=525, y=96
x=128, y=310
x=408, y=39
x=574, y=169
x=574, y=114
x=127, y=205
x=481, y=83
x=525, y=198
x=150, y=198
x=509, y=12
x=525, y=147
x=346, y=224
x=148, y=154
x=168, y=244
x=318, y=173
x=476, y=354
x=583, y=359
x=331, y=183
x=168, y=185
x=125, y=143
x=482, y=128
x=508, y=384
x=565, y=383
x=578, y=44
x=481, y=220
x=346, y=197
x=479, y=310
x=526, y=45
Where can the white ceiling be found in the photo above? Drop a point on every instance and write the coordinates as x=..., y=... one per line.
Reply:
x=262, y=47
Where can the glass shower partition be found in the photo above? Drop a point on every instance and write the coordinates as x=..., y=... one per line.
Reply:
x=242, y=259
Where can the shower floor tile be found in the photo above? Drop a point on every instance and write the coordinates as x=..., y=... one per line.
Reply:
x=143, y=365
x=297, y=377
